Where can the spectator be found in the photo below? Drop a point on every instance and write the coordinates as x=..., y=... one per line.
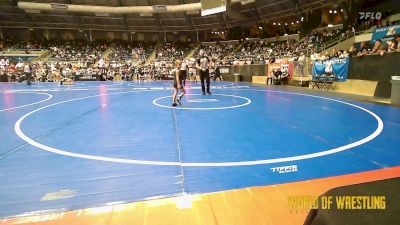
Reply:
x=392, y=46
x=398, y=42
x=379, y=47
x=364, y=49
x=352, y=51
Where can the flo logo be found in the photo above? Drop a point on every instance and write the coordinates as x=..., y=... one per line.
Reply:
x=370, y=15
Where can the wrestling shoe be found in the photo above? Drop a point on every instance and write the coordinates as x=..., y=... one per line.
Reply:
x=174, y=104
x=179, y=101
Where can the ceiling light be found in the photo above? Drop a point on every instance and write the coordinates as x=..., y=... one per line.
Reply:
x=146, y=14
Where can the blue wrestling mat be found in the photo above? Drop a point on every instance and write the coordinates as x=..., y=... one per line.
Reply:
x=98, y=143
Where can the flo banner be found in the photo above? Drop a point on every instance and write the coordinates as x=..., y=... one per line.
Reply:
x=385, y=33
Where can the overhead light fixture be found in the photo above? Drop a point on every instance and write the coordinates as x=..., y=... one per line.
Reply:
x=260, y=28
x=302, y=18
x=146, y=14
x=335, y=11
x=274, y=23
x=341, y=10
x=286, y=24
x=297, y=21
x=32, y=11
x=279, y=24
x=244, y=2
x=193, y=12
x=330, y=11
x=330, y=25
x=215, y=10
x=59, y=6
x=102, y=14
x=292, y=23
x=159, y=7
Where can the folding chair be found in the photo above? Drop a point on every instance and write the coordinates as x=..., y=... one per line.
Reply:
x=315, y=81
x=327, y=81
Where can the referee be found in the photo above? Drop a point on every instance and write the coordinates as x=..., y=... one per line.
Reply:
x=203, y=65
x=27, y=72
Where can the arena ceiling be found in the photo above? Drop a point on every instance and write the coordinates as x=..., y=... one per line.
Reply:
x=259, y=12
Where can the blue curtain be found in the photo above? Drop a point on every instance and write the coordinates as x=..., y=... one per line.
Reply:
x=340, y=68
x=318, y=68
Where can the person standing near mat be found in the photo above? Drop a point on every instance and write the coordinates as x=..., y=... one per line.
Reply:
x=203, y=65
x=177, y=85
x=27, y=72
x=183, y=71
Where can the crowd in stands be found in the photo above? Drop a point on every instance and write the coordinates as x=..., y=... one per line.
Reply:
x=126, y=60
x=380, y=47
x=76, y=51
x=131, y=52
x=163, y=64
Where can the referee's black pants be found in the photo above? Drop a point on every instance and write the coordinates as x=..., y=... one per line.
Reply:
x=28, y=78
x=205, y=75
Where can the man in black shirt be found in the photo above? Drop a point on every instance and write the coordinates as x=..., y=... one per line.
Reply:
x=203, y=64
x=277, y=76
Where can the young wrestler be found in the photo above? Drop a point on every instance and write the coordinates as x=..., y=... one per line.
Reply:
x=177, y=85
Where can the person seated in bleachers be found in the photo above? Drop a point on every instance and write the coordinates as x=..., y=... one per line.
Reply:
x=392, y=46
x=270, y=77
x=110, y=74
x=379, y=47
x=352, y=51
x=277, y=76
x=284, y=79
x=364, y=49
x=328, y=68
x=397, y=41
